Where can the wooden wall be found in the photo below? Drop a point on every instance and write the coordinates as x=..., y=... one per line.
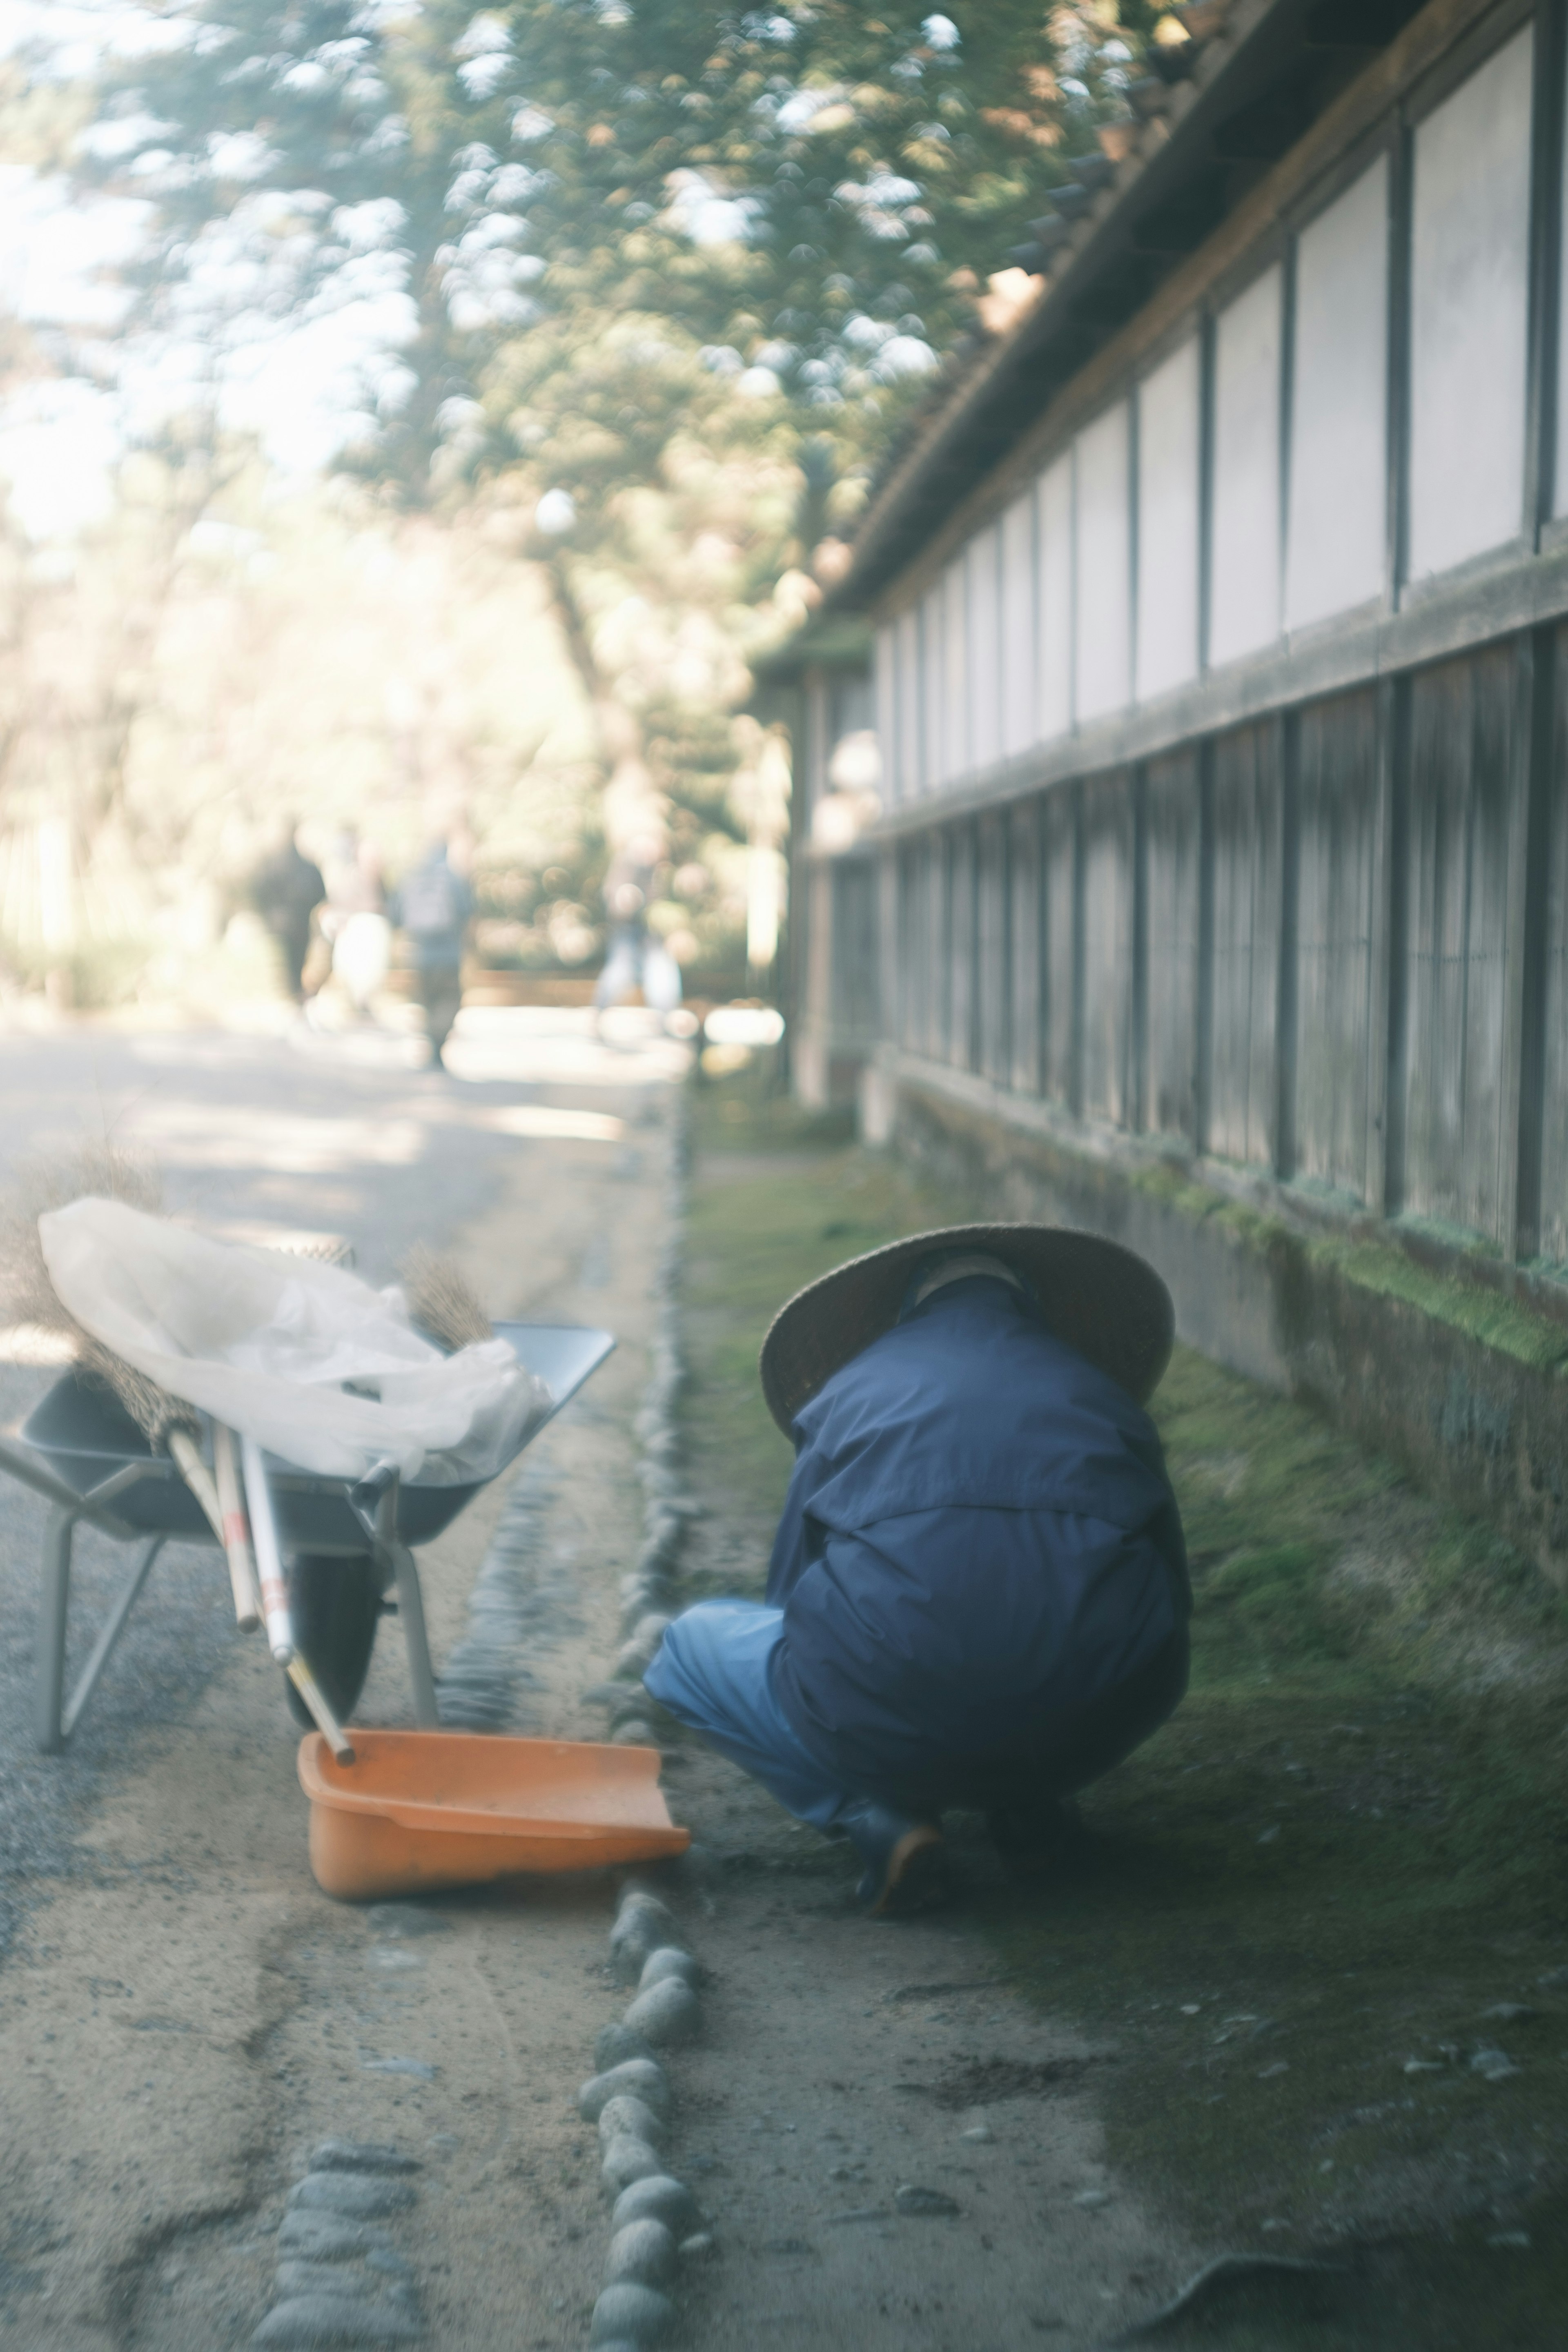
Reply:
x=1225, y=766
x=1329, y=947
x=1234, y=490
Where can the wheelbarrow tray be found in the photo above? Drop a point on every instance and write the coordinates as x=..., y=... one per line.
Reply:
x=85, y=1436
x=421, y=1810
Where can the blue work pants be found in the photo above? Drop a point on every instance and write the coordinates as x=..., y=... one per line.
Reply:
x=712, y=1672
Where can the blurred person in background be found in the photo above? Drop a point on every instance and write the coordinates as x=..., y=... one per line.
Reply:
x=354, y=919
x=433, y=907
x=635, y=956
x=285, y=889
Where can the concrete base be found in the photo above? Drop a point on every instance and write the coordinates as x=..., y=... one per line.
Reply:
x=1452, y=1364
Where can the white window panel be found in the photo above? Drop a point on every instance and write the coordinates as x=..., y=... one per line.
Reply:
x=1170, y=425
x=1054, y=598
x=885, y=675
x=909, y=779
x=933, y=674
x=1103, y=680
x=983, y=556
x=1468, y=312
x=1339, y=408
x=1018, y=641
x=956, y=673
x=1244, y=610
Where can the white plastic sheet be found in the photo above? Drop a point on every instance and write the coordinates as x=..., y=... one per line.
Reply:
x=265, y=1343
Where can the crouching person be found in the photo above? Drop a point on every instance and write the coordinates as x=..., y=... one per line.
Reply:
x=978, y=1596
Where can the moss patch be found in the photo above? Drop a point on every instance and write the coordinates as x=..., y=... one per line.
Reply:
x=1292, y=1911
x=1470, y=1307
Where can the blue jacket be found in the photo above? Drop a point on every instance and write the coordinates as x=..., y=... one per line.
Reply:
x=979, y=1538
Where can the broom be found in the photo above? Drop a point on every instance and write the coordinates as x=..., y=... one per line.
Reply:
x=441, y=1300
x=169, y=1424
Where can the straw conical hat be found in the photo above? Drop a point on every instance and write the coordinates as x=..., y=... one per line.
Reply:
x=1099, y=1298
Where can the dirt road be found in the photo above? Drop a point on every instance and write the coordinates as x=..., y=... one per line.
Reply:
x=1300, y=1997
x=184, y=2018
x=181, y=2014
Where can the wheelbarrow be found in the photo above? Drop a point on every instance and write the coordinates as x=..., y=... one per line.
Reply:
x=348, y=1545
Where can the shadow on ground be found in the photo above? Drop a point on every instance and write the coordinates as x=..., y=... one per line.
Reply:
x=1322, y=1917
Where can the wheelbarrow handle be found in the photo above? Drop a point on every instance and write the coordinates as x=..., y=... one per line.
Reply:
x=83, y=1507
x=367, y=1496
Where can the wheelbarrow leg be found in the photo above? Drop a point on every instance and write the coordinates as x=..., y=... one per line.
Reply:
x=113, y=1627
x=53, y=1606
x=411, y=1610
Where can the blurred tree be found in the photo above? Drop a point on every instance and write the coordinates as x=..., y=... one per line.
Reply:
x=79, y=634
x=668, y=277
x=813, y=192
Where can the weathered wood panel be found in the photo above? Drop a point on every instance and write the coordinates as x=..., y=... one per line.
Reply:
x=1339, y=821
x=995, y=951
x=964, y=1015
x=1059, y=1059
x=1465, y=786
x=1553, y=1212
x=854, y=1004
x=1173, y=838
x=889, y=1018
x=1025, y=880
x=1109, y=954
x=933, y=946
x=918, y=917
x=1243, y=968
x=910, y=960
x=940, y=886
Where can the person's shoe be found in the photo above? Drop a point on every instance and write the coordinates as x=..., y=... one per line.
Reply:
x=1033, y=1837
x=905, y=1862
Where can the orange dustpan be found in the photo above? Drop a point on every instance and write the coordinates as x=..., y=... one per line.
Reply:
x=419, y=1810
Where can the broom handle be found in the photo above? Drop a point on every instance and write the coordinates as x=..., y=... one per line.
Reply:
x=196, y=1476
x=327, y=1724
x=235, y=1530
x=268, y=1559
x=275, y=1601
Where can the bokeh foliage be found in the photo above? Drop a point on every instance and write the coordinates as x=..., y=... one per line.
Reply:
x=649, y=290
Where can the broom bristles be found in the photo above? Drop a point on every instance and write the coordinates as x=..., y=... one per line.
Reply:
x=441, y=1299
x=102, y=1172
x=156, y=1413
